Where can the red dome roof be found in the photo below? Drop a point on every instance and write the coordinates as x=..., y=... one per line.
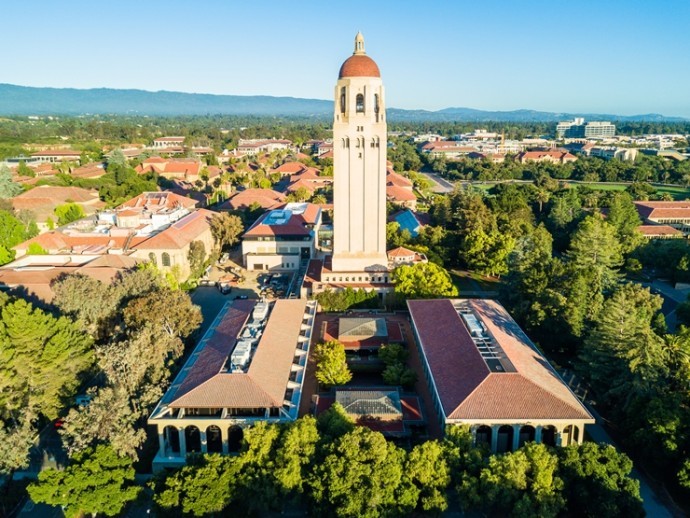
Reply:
x=359, y=65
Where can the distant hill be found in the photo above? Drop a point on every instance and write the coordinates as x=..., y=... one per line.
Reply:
x=26, y=100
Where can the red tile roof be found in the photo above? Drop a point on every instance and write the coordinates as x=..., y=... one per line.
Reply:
x=359, y=65
x=291, y=168
x=209, y=385
x=180, y=233
x=659, y=230
x=397, y=193
x=656, y=210
x=401, y=251
x=266, y=198
x=467, y=387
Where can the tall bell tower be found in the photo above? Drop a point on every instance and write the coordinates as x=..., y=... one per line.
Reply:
x=359, y=166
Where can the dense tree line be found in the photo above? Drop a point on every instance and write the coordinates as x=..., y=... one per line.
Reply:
x=331, y=467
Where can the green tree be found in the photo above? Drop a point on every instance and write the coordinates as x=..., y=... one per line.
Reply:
x=96, y=481
x=89, y=301
x=359, y=476
x=423, y=280
x=624, y=357
x=12, y=232
x=36, y=249
x=226, y=229
x=295, y=455
x=487, y=253
x=597, y=481
x=523, y=483
x=392, y=353
x=427, y=476
x=171, y=311
x=206, y=485
x=399, y=374
x=17, y=436
x=595, y=256
x=69, y=212
x=8, y=188
x=331, y=367
x=107, y=419
x=334, y=423
x=42, y=358
x=197, y=259
x=623, y=216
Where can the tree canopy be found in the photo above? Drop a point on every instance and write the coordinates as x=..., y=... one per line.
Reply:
x=423, y=280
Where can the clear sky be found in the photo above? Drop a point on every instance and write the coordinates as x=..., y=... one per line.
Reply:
x=605, y=56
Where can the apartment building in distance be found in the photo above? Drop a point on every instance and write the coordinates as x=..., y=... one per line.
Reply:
x=578, y=128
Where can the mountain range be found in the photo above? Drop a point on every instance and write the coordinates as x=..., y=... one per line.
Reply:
x=27, y=100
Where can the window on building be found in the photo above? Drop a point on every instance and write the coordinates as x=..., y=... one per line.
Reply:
x=342, y=100
x=165, y=259
x=376, y=106
x=152, y=258
x=359, y=103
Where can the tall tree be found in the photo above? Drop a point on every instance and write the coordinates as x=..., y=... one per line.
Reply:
x=623, y=216
x=68, y=213
x=8, y=188
x=96, y=481
x=423, y=280
x=42, y=358
x=360, y=476
x=623, y=355
x=597, y=481
x=206, y=485
x=226, y=229
x=171, y=311
x=595, y=255
x=331, y=367
x=12, y=232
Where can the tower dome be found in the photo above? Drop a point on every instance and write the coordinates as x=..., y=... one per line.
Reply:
x=359, y=64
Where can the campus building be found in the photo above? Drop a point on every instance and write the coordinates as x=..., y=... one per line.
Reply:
x=282, y=238
x=248, y=367
x=483, y=371
x=578, y=128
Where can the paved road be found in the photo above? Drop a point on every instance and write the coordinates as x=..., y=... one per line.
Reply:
x=653, y=506
x=440, y=185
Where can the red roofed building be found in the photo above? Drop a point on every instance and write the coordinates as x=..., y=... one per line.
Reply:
x=664, y=214
x=235, y=379
x=264, y=198
x=43, y=200
x=402, y=255
x=483, y=371
x=552, y=156
x=449, y=149
x=282, y=238
x=57, y=155
x=172, y=168
x=256, y=146
x=290, y=168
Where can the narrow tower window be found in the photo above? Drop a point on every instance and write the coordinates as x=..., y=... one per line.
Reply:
x=342, y=100
x=360, y=103
x=376, y=106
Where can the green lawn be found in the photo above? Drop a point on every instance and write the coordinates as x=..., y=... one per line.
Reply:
x=677, y=192
x=470, y=281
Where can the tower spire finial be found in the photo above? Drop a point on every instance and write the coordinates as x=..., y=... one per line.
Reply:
x=359, y=44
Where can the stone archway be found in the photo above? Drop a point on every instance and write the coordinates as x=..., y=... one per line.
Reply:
x=527, y=434
x=570, y=435
x=214, y=440
x=548, y=435
x=192, y=438
x=235, y=437
x=483, y=435
x=172, y=439
x=505, y=439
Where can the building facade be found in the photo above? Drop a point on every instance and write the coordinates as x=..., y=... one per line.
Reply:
x=484, y=372
x=248, y=367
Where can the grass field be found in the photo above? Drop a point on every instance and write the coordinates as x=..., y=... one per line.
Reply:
x=677, y=192
x=466, y=281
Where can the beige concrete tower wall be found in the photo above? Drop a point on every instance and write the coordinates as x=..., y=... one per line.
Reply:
x=359, y=163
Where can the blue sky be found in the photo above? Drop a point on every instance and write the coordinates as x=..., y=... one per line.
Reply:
x=604, y=56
